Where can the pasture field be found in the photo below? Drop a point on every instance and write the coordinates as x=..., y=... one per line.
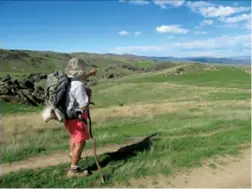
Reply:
x=155, y=127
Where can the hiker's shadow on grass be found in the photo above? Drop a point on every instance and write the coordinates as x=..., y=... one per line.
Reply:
x=123, y=153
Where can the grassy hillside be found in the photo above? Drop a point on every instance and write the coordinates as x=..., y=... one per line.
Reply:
x=196, y=115
x=23, y=64
x=20, y=62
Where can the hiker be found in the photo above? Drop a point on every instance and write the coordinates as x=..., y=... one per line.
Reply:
x=78, y=97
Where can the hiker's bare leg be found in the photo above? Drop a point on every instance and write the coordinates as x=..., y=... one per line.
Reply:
x=72, y=145
x=77, y=151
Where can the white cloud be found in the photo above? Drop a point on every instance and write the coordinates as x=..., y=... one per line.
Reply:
x=164, y=3
x=123, y=32
x=221, y=11
x=248, y=26
x=228, y=25
x=235, y=19
x=200, y=32
x=132, y=49
x=137, y=33
x=171, y=29
x=195, y=5
x=171, y=37
x=136, y=2
x=209, y=22
x=207, y=9
x=206, y=22
x=234, y=22
x=219, y=46
x=212, y=43
x=248, y=44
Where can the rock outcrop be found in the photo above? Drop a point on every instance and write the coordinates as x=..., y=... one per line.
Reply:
x=26, y=91
x=20, y=92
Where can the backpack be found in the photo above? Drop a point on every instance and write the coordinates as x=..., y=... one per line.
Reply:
x=57, y=84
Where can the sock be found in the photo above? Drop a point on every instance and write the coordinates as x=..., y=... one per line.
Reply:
x=74, y=166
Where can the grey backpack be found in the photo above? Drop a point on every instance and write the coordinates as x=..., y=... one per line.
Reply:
x=57, y=84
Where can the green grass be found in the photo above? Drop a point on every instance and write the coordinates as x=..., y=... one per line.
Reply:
x=144, y=64
x=15, y=75
x=50, y=139
x=225, y=77
x=131, y=93
x=165, y=156
x=45, y=140
x=9, y=108
x=229, y=95
x=111, y=95
x=186, y=137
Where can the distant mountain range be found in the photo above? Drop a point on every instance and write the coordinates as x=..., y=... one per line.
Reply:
x=228, y=60
x=241, y=60
x=14, y=54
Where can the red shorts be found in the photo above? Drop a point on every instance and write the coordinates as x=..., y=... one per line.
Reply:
x=77, y=129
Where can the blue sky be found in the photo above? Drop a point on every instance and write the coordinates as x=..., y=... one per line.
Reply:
x=154, y=28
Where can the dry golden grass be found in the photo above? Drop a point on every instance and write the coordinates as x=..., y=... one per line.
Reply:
x=199, y=88
x=169, y=85
x=137, y=110
x=31, y=122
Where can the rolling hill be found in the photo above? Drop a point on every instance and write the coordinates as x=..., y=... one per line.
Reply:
x=193, y=118
x=16, y=61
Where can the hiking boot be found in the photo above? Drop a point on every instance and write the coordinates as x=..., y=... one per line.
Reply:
x=77, y=172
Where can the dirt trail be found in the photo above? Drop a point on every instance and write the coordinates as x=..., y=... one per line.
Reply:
x=230, y=172
x=57, y=158
x=227, y=172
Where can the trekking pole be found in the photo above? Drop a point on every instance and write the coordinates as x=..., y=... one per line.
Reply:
x=80, y=112
x=94, y=146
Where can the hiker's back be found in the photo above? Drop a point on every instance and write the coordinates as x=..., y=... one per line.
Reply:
x=66, y=91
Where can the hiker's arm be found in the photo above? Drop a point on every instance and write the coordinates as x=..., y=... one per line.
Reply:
x=93, y=72
x=87, y=75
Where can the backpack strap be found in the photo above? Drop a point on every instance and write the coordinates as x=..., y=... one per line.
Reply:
x=89, y=123
x=79, y=115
